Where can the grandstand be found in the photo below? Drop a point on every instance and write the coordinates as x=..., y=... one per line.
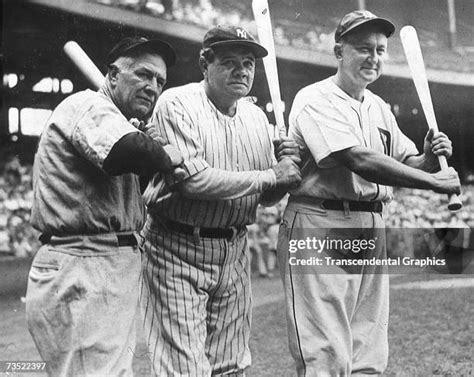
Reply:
x=309, y=26
x=304, y=37
x=37, y=75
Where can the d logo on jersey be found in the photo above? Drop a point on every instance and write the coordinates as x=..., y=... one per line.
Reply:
x=386, y=138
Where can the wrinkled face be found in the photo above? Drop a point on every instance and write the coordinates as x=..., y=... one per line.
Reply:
x=137, y=83
x=230, y=75
x=362, y=55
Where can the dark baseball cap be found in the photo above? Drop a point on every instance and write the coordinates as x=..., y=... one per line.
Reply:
x=358, y=18
x=233, y=35
x=128, y=46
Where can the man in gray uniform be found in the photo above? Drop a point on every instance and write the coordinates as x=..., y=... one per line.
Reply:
x=83, y=285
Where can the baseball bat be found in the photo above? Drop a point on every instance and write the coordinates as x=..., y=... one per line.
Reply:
x=84, y=64
x=412, y=48
x=265, y=35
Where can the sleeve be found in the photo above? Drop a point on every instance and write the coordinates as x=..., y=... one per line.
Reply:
x=176, y=127
x=324, y=130
x=217, y=184
x=202, y=180
x=149, y=157
x=98, y=129
x=402, y=146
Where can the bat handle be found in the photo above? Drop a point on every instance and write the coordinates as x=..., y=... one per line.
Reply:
x=276, y=133
x=280, y=128
x=454, y=203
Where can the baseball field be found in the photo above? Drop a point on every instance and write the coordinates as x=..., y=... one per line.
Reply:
x=430, y=334
x=431, y=327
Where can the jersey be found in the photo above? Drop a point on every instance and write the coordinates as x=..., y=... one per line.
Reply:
x=236, y=153
x=324, y=119
x=72, y=194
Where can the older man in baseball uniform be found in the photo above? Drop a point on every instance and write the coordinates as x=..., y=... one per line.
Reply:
x=196, y=292
x=354, y=151
x=82, y=292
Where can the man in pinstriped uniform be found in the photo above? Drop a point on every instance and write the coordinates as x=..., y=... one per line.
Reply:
x=196, y=275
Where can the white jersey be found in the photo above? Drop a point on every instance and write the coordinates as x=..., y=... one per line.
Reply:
x=324, y=119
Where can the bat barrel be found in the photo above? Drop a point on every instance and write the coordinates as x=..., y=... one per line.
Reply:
x=411, y=46
x=84, y=64
x=265, y=35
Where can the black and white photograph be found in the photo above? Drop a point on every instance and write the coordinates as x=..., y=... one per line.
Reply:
x=260, y=188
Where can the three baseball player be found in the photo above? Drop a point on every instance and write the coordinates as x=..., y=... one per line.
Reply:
x=195, y=287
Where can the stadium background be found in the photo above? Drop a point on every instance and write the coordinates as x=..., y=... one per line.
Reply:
x=37, y=76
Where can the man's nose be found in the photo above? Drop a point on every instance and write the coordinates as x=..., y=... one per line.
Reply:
x=373, y=57
x=152, y=86
x=240, y=69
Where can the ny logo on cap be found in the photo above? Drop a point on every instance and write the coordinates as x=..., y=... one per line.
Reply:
x=241, y=33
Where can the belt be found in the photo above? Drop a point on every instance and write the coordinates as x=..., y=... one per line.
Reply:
x=355, y=206
x=122, y=239
x=126, y=240
x=227, y=233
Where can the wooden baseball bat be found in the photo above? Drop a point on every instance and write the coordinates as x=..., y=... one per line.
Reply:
x=265, y=35
x=412, y=48
x=84, y=64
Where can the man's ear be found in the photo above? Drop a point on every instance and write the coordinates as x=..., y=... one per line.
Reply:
x=203, y=64
x=113, y=72
x=338, y=51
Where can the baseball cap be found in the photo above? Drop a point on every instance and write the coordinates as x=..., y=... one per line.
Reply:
x=358, y=18
x=233, y=35
x=128, y=45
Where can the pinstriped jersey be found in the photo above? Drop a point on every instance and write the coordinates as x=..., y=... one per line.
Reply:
x=325, y=119
x=208, y=139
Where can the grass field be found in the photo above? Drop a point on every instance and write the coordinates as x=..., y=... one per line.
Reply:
x=431, y=333
x=431, y=330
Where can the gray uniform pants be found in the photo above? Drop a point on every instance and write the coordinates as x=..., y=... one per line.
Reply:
x=337, y=317
x=81, y=304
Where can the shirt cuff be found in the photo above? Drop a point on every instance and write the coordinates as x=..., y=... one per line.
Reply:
x=269, y=179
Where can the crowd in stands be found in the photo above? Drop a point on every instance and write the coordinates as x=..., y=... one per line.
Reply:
x=415, y=218
x=301, y=27
x=17, y=237
x=425, y=209
x=410, y=218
